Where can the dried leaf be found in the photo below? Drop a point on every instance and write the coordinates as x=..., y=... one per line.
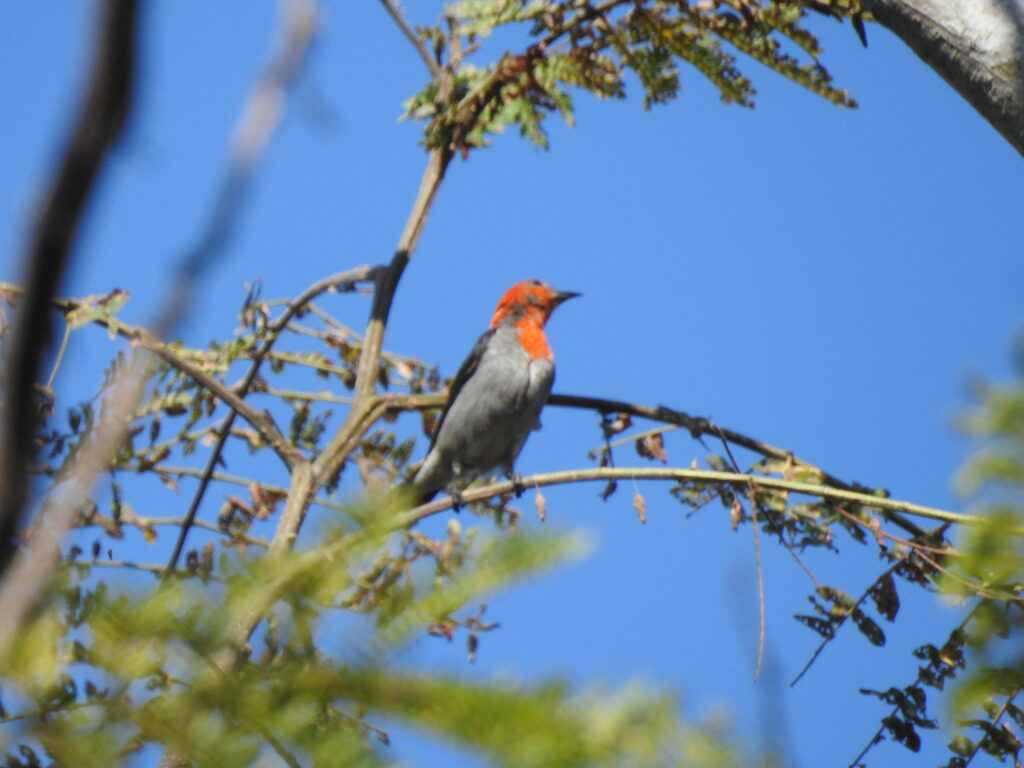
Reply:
x=652, y=447
x=612, y=425
x=883, y=594
x=735, y=514
x=541, y=505
x=167, y=480
x=640, y=506
x=875, y=526
x=869, y=628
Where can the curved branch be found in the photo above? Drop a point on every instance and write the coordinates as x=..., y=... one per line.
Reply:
x=702, y=475
x=697, y=426
x=977, y=46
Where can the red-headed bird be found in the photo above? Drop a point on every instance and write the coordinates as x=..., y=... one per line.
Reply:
x=496, y=397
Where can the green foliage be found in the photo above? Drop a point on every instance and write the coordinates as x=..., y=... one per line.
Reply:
x=593, y=45
x=165, y=670
x=993, y=554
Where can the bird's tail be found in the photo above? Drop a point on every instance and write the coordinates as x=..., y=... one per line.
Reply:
x=429, y=479
x=423, y=487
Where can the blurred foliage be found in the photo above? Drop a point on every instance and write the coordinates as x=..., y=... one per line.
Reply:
x=987, y=701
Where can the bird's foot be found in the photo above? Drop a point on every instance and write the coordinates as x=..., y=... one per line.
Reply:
x=517, y=484
x=456, y=496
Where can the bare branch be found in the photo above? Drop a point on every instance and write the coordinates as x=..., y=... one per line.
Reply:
x=391, y=6
x=99, y=125
x=337, y=282
x=700, y=426
x=703, y=475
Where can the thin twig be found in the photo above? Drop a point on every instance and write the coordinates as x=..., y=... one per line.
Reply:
x=338, y=281
x=977, y=589
x=995, y=722
x=700, y=426
x=60, y=356
x=755, y=506
x=245, y=482
x=825, y=641
x=320, y=397
x=145, y=522
x=154, y=568
x=396, y=15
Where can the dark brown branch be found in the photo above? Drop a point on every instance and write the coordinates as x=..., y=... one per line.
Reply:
x=698, y=426
x=99, y=125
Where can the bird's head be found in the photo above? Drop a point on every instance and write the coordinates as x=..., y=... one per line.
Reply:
x=529, y=302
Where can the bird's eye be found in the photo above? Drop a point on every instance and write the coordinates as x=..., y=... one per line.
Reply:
x=535, y=282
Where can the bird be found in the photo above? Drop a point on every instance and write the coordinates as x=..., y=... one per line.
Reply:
x=495, y=399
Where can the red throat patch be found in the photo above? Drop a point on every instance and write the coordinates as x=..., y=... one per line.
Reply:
x=531, y=336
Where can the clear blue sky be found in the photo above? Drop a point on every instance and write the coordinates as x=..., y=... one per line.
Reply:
x=825, y=280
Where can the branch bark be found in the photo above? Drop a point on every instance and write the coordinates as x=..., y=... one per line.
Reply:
x=99, y=125
x=977, y=46
x=704, y=475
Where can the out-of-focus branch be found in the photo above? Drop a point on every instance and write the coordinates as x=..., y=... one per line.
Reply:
x=260, y=118
x=29, y=574
x=100, y=122
x=256, y=125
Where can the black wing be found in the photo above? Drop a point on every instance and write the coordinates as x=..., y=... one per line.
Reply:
x=468, y=367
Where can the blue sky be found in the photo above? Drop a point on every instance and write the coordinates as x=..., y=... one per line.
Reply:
x=822, y=279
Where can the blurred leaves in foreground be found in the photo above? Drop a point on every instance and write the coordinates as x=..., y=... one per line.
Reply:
x=104, y=667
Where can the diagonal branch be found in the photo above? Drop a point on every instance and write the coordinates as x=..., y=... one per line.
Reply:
x=338, y=282
x=391, y=6
x=98, y=127
x=700, y=426
x=142, y=338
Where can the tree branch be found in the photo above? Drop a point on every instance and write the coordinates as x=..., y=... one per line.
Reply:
x=977, y=46
x=698, y=426
x=396, y=15
x=99, y=125
x=701, y=475
x=340, y=281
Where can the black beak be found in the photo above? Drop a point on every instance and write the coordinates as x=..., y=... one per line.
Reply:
x=561, y=296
